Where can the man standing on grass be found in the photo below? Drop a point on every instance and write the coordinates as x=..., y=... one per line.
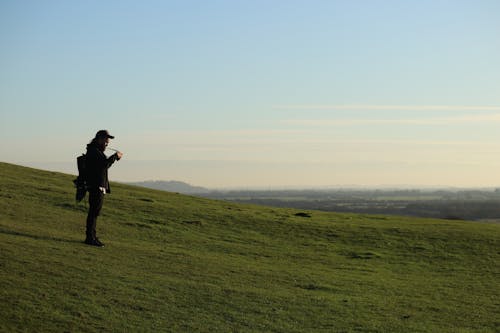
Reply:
x=97, y=165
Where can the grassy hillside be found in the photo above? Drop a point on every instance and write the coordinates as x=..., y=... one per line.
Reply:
x=175, y=263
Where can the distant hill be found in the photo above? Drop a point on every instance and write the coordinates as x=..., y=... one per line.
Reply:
x=176, y=263
x=172, y=186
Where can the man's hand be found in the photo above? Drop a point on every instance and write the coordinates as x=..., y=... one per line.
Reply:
x=119, y=154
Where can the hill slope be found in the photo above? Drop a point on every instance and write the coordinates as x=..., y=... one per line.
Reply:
x=179, y=263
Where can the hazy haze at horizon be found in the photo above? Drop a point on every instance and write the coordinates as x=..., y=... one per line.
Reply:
x=257, y=94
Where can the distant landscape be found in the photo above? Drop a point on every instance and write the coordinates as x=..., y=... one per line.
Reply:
x=456, y=204
x=171, y=186
x=447, y=204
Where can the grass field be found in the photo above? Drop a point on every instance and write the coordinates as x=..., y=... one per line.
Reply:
x=174, y=263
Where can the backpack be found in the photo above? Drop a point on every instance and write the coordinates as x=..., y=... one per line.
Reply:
x=81, y=181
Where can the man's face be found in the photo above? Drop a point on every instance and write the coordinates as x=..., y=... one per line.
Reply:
x=103, y=143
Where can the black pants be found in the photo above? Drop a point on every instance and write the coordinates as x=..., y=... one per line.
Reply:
x=96, y=199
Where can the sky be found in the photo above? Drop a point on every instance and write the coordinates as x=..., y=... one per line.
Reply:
x=257, y=94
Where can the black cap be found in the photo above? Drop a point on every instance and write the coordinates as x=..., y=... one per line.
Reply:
x=104, y=134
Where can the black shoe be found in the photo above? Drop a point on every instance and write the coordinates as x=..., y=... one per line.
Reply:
x=94, y=242
x=99, y=242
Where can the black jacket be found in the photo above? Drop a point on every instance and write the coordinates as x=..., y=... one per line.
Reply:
x=97, y=165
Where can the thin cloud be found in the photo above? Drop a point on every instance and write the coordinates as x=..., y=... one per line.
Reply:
x=463, y=119
x=390, y=107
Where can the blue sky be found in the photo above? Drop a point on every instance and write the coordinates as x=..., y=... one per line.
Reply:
x=257, y=93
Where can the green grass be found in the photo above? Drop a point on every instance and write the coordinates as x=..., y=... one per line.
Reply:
x=174, y=263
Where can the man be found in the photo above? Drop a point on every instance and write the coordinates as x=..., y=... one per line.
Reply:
x=97, y=165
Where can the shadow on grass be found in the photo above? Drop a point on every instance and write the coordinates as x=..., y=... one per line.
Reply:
x=6, y=231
